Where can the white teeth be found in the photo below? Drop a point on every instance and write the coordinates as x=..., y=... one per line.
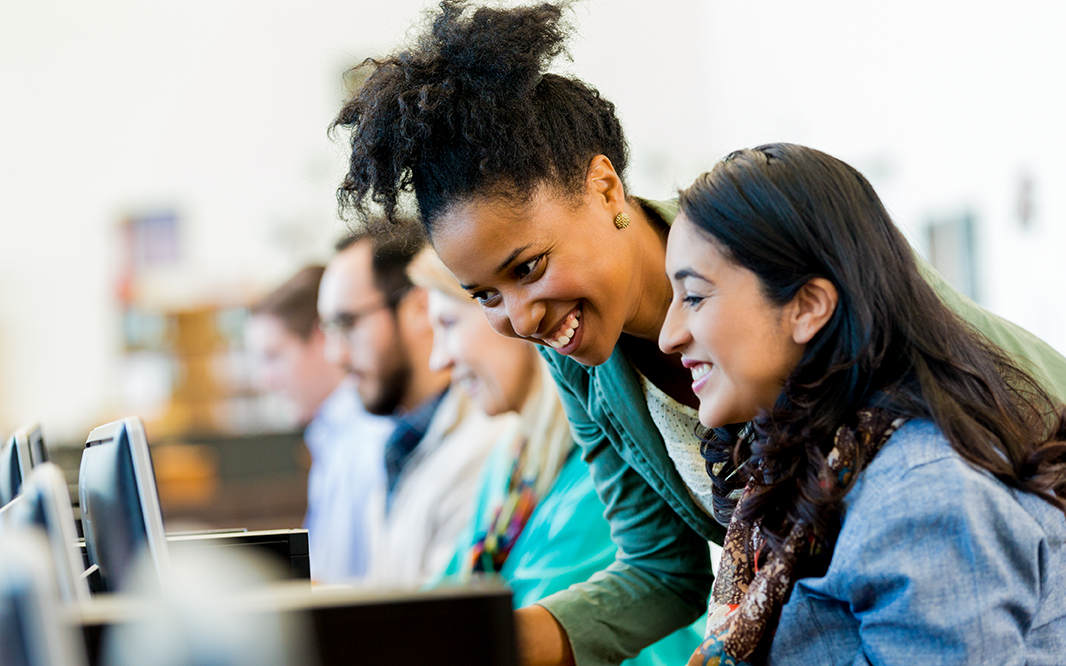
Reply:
x=572, y=323
x=700, y=371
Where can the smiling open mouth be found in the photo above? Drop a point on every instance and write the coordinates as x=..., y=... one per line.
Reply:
x=567, y=330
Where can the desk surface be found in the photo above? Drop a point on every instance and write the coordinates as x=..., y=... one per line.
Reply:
x=350, y=625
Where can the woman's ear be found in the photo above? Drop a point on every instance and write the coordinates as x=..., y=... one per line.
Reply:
x=603, y=184
x=812, y=306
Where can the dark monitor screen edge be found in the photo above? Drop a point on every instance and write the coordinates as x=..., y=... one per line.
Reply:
x=121, y=516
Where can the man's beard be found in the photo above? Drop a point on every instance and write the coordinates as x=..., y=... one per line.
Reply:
x=391, y=389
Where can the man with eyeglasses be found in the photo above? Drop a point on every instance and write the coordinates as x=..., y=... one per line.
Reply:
x=377, y=328
x=287, y=346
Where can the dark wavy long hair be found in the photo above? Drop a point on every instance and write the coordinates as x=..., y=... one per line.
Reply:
x=469, y=110
x=788, y=214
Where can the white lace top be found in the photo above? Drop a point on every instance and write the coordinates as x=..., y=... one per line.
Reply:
x=677, y=424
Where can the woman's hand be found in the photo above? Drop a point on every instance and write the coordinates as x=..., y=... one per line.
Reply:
x=541, y=639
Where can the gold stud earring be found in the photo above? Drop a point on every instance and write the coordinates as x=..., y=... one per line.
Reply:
x=621, y=220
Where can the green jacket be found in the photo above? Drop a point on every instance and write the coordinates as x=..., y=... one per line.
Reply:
x=661, y=576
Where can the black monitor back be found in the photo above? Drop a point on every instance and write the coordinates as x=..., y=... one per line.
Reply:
x=34, y=443
x=23, y=451
x=120, y=510
x=14, y=467
x=44, y=505
x=32, y=633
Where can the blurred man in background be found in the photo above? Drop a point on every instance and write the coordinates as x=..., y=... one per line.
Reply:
x=346, y=443
x=378, y=329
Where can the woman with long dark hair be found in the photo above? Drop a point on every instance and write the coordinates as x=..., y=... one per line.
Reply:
x=519, y=177
x=903, y=482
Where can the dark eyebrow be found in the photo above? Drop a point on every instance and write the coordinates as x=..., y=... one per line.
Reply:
x=511, y=258
x=690, y=273
x=503, y=265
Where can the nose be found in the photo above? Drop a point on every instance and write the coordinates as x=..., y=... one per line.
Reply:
x=439, y=356
x=525, y=316
x=674, y=335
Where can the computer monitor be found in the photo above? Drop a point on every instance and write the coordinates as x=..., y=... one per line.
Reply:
x=34, y=443
x=120, y=513
x=18, y=455
x=45, y=504
x=14, y=466
x=32, y=631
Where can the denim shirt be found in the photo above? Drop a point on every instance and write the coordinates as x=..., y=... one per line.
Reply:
x=936, y=563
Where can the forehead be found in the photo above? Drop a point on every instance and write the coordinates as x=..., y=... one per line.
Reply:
x=348, y=281
x=688, y=247
x=440, y=302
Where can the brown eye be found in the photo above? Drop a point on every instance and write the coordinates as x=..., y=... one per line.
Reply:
x=485, y=299
x=526, y=269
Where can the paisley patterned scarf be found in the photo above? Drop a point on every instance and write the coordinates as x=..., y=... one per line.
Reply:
x=754, y=582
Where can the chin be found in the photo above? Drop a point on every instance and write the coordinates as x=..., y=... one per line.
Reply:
x=710, y=423
x=710, y=418
x=592, y=357
x=487, y=407
x=720, y=419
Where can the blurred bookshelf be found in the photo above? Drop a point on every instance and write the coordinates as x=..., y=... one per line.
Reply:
x=192, y=363
x=225, y=455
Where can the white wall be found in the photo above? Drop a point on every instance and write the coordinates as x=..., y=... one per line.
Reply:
x=944, y=106
x=219, y=110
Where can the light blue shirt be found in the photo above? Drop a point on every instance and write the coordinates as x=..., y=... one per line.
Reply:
x=347, y=468
x=936, y=563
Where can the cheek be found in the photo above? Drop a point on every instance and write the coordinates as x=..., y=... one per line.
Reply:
x=755, y=368
x=268, y=375
x=463, y=342
x=705, y=328
x=486, y=351
x=334, y=350
x=286, y=366
x=376, y=342
x=563, y=284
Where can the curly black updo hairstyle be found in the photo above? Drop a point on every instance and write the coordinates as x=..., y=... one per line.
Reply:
x=470, y=111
